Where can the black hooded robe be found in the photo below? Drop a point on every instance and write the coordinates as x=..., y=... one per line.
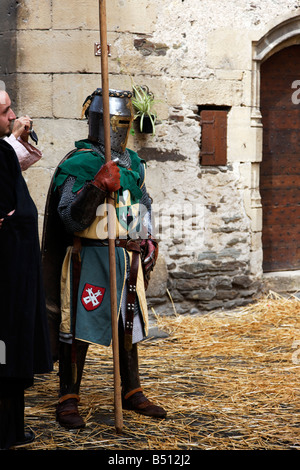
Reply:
x=23, y=322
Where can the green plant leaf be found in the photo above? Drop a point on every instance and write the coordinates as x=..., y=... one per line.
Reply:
x=143, y=101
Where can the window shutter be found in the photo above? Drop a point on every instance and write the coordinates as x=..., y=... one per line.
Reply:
x=213, y=137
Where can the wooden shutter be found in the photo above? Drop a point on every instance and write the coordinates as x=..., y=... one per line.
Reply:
x=213, y=137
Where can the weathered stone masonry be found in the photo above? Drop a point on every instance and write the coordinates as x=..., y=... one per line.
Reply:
x=192, y=54
x=8, y=49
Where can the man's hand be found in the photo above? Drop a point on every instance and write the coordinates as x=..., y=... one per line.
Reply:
x=108, y=177
x=22, y=127
x=10, y=213
x=150, y=254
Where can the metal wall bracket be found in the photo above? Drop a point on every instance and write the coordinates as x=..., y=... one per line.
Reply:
x=97, y=49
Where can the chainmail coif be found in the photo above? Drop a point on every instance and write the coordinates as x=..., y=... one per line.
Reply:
x=122, y=158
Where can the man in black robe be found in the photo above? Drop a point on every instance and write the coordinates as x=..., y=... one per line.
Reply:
x=25, y=348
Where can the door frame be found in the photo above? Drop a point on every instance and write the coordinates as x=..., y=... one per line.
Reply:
x=277, y=37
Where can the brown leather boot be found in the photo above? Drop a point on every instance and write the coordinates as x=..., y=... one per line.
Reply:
x=67, y=409
x=67, y=412
x=136, y=401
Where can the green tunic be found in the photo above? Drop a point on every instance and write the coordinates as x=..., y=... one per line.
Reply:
x=93, y=318
x=84, y=166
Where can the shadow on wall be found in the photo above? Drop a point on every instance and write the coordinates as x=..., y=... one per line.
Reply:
x=8, y=53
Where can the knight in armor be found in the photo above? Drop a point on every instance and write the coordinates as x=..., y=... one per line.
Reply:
x=80, y=190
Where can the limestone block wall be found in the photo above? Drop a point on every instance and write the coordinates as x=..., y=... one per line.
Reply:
x=8, y=32
x=190, y=53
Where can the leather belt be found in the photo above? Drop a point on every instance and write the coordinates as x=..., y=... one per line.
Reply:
x=134, y=247
x=127, y=243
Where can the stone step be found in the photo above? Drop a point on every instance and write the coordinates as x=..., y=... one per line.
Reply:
x=282, y=282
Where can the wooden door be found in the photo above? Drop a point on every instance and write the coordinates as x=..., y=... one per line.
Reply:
x=280, y=167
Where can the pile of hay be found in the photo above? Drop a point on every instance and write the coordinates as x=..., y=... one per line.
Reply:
x=229, y=381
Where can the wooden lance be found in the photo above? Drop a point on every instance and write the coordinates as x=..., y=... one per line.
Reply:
x=111, y=220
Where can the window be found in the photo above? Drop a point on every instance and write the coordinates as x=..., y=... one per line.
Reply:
x=213, y=122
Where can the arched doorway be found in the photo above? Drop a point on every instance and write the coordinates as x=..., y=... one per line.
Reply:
x=280, y=166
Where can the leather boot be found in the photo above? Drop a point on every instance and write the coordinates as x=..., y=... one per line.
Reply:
x=27, y=439
x=67, y=409
x=67, y=412
x=132, y=394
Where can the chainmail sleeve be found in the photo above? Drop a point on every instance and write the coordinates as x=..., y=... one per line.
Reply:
x=65, y=205
x=78, y=210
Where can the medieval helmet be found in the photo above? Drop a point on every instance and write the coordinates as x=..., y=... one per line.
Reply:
x=121, y=117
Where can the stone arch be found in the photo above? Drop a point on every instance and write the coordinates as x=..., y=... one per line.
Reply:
x=282, y=35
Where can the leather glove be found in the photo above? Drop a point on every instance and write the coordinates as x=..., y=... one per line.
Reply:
x=150, y=253
x=108, y=177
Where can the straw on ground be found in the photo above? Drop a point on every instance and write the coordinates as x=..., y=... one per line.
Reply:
x=229, y=380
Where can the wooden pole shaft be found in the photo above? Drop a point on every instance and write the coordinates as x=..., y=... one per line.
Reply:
x=105, y=79
x=111, y=220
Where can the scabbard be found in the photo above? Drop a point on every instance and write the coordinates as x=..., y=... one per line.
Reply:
x=131, y=296
x=134, y=247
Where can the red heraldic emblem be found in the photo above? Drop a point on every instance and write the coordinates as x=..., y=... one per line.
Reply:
x=92, y=296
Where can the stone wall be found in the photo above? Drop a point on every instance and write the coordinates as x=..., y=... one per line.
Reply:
x=190, y=53
x=8, y=33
